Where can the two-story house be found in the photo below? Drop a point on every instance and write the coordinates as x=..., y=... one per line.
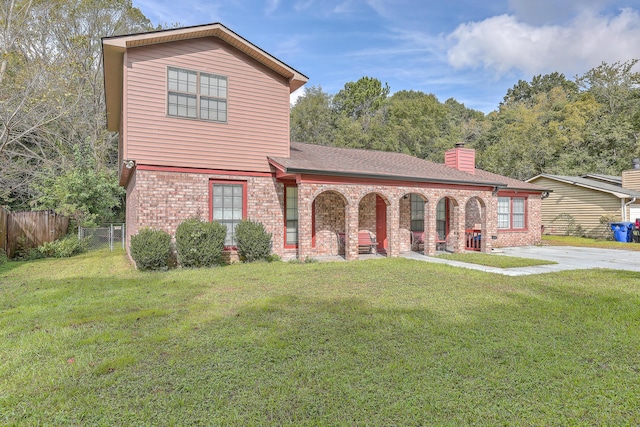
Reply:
x=203, y=122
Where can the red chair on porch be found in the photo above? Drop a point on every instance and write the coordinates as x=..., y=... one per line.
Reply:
x=417, y=240
x=367, y=243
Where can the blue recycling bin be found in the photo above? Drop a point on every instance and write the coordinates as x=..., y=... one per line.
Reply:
x=622, y=231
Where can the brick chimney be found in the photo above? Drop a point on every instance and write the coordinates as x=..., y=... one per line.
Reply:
x=463, y=159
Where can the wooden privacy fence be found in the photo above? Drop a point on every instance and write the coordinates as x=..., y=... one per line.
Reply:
x=4, y=217
x=26, y=230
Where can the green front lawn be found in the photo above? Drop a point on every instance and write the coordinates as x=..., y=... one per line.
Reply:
x=588, y=243
x=89, y=341
x=493, y=260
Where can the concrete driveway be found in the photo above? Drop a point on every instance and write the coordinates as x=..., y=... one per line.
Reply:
x=567, y=257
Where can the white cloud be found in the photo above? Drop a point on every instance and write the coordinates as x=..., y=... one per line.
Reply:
x=271, y=7
x=503, y=43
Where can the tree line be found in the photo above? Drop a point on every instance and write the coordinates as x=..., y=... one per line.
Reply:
x=55, y=152
x=550, y=124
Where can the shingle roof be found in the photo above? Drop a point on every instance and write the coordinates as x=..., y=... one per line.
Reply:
x=593, y=184
x=349, y=162
x=611, y=179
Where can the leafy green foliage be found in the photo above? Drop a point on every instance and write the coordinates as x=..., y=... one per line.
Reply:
x=253, y=241
x=84, y=194
x=524, y=91
x=312, y=119
x=200, y=243
x=3, y=257
x=361, y=98
x=150, y=249
x=61, y=248
x=52, y=91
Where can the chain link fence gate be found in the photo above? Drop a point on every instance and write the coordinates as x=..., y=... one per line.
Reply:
x=111, y=236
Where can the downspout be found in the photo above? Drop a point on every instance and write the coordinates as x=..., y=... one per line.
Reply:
x=624, y=207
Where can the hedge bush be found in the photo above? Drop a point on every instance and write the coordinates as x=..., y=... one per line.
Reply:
x=253, y=241
x=62, y=248
x=200, y=243
x=150, y=249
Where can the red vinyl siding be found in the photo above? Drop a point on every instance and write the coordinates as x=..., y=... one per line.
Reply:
x=258, y=109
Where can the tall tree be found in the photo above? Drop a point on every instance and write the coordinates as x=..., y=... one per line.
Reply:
x=312, y=119
x=52, y=89
x=524, y=91
x=362, y=98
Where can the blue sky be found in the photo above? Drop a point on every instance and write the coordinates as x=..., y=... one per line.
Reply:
x=469, y=50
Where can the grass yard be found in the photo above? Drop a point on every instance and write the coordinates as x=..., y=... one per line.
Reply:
x=89, y=341
x=588, y=243
x=493, y=260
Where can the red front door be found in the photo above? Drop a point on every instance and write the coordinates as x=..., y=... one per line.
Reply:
x=381, y=224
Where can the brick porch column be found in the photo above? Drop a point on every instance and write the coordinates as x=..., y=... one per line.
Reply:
x=430, y=228
x=458, y=228
x=305, y=211
x=351, y=232
x=486, y=243
x=490, y=223
x=393, y=227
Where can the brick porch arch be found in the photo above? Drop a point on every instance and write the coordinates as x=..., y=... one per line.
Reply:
x=329, y=217
x=404, y=230
x=453, y=232
x=476, y=214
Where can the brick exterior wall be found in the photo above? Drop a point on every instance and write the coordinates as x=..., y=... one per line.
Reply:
x=473, y=214
x=163, y=199
x=367, y=213
x=405, y=225
x=330, y=220
x=358, y=196
x=533, y=233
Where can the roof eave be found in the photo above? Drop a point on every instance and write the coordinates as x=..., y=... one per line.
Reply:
x=579, y=184
x=113, y=63
x=294, y=171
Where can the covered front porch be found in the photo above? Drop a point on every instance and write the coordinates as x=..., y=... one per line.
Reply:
x=333, y=218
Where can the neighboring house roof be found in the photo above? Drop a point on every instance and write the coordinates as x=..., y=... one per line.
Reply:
x=617, y=191
x=360, y=163
x=113, y=49
x=611, y=179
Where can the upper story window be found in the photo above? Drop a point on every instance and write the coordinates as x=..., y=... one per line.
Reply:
x=196, y=95
x=511, y=212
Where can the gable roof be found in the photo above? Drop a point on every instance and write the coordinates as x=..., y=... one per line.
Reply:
x=113, y=49
x=592, y=184
x=360, y=163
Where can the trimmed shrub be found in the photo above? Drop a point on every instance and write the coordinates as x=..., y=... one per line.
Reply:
x=253, y=241
x=150, y=249
x=62, y=248
x=200, y=243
